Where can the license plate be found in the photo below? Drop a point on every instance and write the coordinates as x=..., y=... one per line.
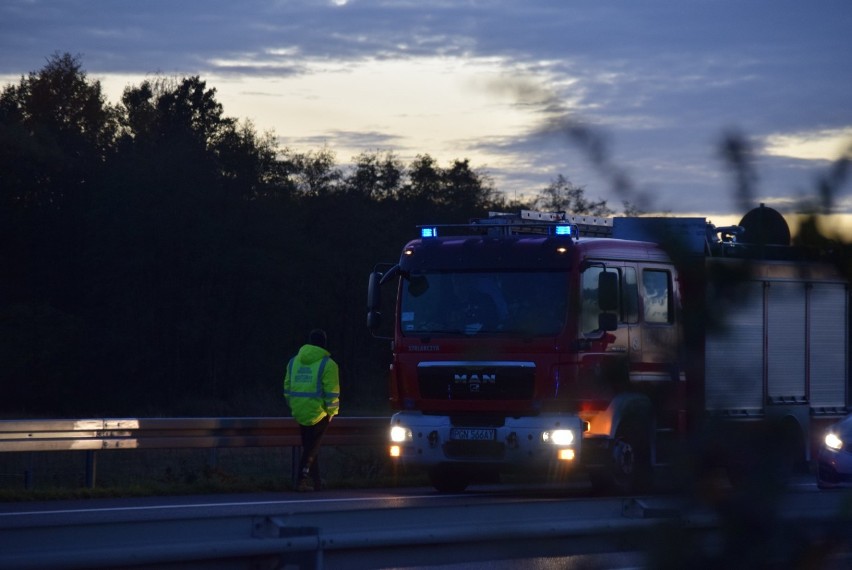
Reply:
x=473, y=434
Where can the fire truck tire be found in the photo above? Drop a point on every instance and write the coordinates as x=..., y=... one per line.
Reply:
x=449, y=479
x=628, y=468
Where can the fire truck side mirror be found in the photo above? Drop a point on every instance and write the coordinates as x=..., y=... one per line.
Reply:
x=374, y=301
x=374, y=320
x=608, y=291
x=607, y=321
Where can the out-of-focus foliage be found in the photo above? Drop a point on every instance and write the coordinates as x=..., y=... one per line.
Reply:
x=162, y=258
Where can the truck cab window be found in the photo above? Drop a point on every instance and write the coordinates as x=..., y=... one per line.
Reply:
x=529, y=303
x=656, y=297
x=630, y=296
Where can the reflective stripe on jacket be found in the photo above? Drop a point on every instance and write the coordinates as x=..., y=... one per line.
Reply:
x=312, y=385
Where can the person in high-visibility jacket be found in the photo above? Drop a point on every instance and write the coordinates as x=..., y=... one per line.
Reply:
x=312, y=390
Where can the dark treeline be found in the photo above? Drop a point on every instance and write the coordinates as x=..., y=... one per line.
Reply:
x=161, y=258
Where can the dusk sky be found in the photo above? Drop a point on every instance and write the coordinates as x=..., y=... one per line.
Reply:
x=658, y=83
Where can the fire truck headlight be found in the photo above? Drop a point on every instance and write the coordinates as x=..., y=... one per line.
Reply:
x=558, y=437
x=400, y=434
x=833, y=442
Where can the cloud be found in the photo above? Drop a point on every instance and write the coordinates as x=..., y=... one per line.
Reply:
x=611, y=95
x=821, y=144
x=345, y=139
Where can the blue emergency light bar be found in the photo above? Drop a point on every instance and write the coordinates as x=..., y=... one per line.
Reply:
x=507, y=225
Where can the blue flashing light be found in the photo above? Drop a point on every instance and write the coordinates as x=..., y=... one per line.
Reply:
x=428, y=232
x=563, y=230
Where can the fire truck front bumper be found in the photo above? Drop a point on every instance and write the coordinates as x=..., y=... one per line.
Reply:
x=425, y=440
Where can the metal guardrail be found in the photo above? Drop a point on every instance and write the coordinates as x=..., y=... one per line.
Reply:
x=92, y=435
x=171, y=433
x=396, y=534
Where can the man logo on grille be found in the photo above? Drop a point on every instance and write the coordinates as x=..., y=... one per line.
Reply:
x=474, y=382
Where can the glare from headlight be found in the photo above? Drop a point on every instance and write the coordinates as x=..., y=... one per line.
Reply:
x=558, y=437
x=833, y=442
x=399, y=434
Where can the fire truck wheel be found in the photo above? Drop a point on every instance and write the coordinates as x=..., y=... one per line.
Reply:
x=449, y=480
x=629, y=461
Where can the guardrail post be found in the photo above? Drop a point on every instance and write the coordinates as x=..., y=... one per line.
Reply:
x=91, y=468
x=295, y=453
x=304, y=547
x=28, y=472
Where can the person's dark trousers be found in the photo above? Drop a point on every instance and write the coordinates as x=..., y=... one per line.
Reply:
x=311, y=439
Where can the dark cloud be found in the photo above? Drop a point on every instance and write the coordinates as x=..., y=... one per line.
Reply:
x=350, y=139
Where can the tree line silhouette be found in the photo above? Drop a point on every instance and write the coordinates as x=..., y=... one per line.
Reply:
x=161, y=258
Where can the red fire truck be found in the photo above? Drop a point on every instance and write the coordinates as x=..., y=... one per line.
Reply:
x=541, y=341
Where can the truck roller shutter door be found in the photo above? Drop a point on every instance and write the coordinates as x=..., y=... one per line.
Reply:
x=734, y=356
x=828, y=310
x=785, y=341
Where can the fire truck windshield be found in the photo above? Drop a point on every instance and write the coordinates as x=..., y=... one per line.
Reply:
x=526, y=303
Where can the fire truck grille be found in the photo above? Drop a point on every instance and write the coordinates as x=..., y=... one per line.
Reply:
x=474, y=449
x=474, y=381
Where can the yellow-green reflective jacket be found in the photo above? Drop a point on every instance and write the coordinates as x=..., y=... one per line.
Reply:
x=312, y=385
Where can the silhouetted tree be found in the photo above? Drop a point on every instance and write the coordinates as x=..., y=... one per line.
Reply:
x=459, y=191
x=424, y=180
x=186, y=263
x=465, y=189
x=56, y=132
x=163, y=258
x=316, y=172
x=561, y=195
x=375, y=176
